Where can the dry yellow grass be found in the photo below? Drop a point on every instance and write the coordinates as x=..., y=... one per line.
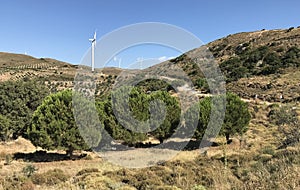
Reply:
x=254, y=142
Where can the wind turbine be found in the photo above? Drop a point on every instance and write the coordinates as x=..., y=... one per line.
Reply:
x=93, y=41
x=119, y=61
x=140, y=61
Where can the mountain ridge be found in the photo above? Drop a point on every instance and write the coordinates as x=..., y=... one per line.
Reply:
x=254, y=64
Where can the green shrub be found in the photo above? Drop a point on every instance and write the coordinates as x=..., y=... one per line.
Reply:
x=202, y=84
x=29, y=170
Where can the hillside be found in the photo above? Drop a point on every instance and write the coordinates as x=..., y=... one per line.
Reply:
x=263, y=64
x=262, y=67
x=259, y=78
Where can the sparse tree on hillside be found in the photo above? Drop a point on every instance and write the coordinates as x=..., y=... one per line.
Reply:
x=237, y=116
x=236, y=119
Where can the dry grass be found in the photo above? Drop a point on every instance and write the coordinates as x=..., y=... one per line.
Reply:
x=248, y=166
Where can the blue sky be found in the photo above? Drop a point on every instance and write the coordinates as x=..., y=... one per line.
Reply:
x=60, y=29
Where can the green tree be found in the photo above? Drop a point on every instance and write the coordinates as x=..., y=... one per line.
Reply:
x=171, y=121
x=237, y=116
x=292, y=57
x=5, y=128
x=113, y=127
x=127, y=113
x=202, y=84
x=236, y=119
x=53, y=125
x=18, y=101
x=132, y=122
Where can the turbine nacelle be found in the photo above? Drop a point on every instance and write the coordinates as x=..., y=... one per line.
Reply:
x=94, y=38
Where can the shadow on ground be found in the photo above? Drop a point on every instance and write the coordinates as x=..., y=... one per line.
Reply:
x=43, y=156
x=173, y=145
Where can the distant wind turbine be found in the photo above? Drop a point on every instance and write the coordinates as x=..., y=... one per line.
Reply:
x=140, y=61
x=119, y=61
x=93, y=41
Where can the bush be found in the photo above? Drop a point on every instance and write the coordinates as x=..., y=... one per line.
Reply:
x=290, y=29
x=292, y=56
x=51, y=177
x=286, y=118
x=87, y=171
x=283, y=115
x=202, y=84
x=29, y=170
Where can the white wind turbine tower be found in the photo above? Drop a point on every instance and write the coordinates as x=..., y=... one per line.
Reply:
x=140, y=61
x=93, y=41
x=119, y=61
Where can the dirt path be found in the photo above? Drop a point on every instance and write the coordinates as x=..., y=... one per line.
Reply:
x=256, y=101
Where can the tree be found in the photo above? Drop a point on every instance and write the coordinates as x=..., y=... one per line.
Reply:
x=18, y=101
x=171, y=121
x=53, y=125
x=204, y=113
x=5, y=128
x=237, y=116
x=292, y=57
x=113, y=127
x=132, y=121
x=236, y=119
x=127, y=114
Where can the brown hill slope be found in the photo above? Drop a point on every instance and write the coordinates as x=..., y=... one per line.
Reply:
x=229, y=46
x=263, y=64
